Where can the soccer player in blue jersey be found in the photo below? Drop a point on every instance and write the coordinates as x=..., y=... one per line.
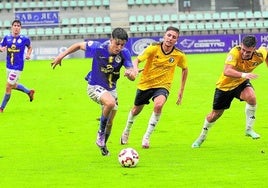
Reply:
x=108, y=58
x=14, y=44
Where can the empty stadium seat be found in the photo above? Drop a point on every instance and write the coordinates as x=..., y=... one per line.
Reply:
x=56, y=3
x=133, y=28
x=90, y=30
x=249, y=15
x=199, y=16
x=163, y=1
x=240, y=15
x=183, y=27
x=65, y=21
x=7, y=23
x=182, y=17
x=74, y=31
x=259, y=24
x=264, y=14
x=225, y=25
x=232, y=15
x=106, y=19
x=165, y=18
x=90, y=20
x=48, y=31
x=49, y=4
x=82, y=20
x=155, y=1
x=98, y=20
x=99, y=29
x=224, y=16
x=174, y=17
x=131, y=2
x=171, y=1
x=82, y=30
x=65, y=30
x=24, y=5
x=65, y=4
x=73, y=3
x=141, y=28
x=192, y=26
x=5, y=32
x=140, y=18
x=97, y=3
x=107, y=29
x=132, y=19
x=89, y=3
x=234, y=25
x=73, y=21
x=57, y=31
x=158, y=27
x=215, y=16
x=257, y=14
x=265, y=23
x=40, y=31
x=24, y=31
x=242, y=25
x=149, y=18
x=191, y=17
x=150, y=27
x=217, y=25
x=31, y=32
x=250, y=24
x=40, y=4
x=105, y=2
x=8, y=5
x=209, y=26
x=200, y=26
x=157, y=18
x=147, y=2
x=207, y=16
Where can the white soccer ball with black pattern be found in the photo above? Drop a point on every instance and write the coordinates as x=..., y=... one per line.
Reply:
x=128, y=157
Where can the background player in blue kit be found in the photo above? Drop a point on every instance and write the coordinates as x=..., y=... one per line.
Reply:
x=15, y=43
x=108, y=58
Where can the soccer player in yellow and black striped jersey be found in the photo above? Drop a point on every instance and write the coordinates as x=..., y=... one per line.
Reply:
x=161, y=60
x=234, y=82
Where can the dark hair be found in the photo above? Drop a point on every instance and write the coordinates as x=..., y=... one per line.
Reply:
x=249, y=41
x=16, y=21
x=173, y=29
x=120, y=33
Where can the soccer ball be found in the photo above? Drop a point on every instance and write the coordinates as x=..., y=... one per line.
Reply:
x=128, y=157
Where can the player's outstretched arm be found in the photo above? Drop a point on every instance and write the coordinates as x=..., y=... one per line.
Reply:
x=73, y=48
x=184, y=75
x=231, y=72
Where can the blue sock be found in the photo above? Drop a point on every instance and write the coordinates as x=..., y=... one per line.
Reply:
x=20, y=87
x=5, y=100
x=103, y=122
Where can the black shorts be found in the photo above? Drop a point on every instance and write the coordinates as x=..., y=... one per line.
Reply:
x=143, y=97
x=223, y=99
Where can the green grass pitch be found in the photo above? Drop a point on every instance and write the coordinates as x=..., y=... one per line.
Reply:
x=51, y=141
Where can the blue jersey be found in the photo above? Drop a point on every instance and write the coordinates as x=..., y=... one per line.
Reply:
x=15, y=50
x=106, y=67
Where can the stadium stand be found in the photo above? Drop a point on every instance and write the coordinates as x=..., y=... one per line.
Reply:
x=97, y=18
